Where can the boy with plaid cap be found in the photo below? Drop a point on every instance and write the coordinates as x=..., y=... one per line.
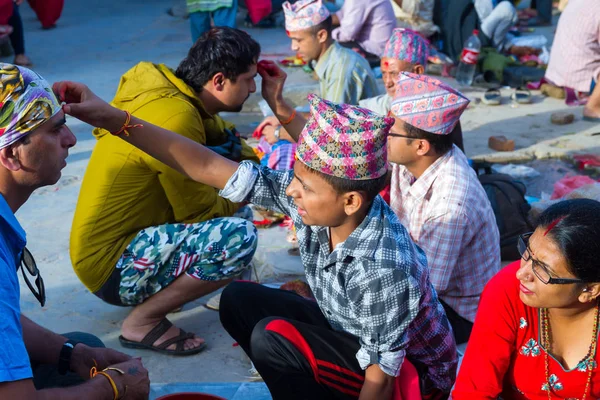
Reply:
x=437, y=196
x=375, y=304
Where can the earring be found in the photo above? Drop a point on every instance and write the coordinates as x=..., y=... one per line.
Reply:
x=585, y=290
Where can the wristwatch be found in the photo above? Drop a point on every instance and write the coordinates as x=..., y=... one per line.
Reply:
x=64, y=360
x=277, y=131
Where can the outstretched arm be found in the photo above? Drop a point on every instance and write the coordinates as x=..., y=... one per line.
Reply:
x=176, y=151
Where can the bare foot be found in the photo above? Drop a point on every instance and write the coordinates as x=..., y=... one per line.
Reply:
x=136, y=330
x=591, y=112
x=22, y=60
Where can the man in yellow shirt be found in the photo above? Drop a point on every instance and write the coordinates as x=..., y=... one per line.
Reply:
x=143, y=234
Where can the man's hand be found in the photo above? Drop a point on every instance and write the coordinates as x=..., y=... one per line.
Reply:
x=273, y=80
x=267, y=129
x=84, y=358
x=378, y=385
x=135, y=382
x=84, y=105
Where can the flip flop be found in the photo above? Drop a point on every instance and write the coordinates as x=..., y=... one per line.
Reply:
x=156, y=333
x=521, y=95
x=492, y=97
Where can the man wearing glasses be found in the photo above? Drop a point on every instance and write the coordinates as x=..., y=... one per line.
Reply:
x=438, y=197
x=34, y=362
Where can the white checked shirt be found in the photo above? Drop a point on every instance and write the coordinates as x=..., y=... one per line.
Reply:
x=450, y=217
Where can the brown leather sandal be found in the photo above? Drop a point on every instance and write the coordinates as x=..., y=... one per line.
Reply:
x=147, y=342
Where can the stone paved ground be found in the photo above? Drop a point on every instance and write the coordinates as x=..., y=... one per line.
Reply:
x=98, y=40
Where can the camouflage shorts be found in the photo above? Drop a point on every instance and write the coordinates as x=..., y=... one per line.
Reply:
x=217, y=249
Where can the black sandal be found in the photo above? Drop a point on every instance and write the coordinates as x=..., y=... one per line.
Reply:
x=147, y=342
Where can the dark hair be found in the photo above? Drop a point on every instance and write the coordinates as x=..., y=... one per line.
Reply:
x=327, y=25
x=226, y=50
x=574, y=226
x=370, y=187
x=440, y=143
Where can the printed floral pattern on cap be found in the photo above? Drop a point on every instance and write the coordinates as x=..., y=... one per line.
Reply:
x=26, y=102
x=304, y=14
x=428, y=104
x=407, y=45
x=344, y=141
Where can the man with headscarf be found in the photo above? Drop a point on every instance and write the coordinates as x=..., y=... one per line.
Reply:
x=34, y=362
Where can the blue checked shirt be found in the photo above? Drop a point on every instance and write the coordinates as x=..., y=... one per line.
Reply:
x=374, y=286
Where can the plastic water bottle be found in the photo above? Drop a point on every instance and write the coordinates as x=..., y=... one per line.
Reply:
x=265, y=109
x=468, y=60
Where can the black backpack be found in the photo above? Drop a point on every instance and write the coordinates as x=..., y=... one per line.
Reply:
x=511, y=210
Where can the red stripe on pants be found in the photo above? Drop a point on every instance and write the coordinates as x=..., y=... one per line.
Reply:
x=289, y=332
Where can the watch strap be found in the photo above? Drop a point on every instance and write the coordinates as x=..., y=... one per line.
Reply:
x=64, y=360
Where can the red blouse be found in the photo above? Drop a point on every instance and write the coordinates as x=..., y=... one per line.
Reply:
x=504, y=356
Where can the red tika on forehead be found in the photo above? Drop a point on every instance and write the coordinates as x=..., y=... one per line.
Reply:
x=553, y=224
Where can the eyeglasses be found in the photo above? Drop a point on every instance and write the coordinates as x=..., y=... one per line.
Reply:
x=28, y=263
x=401, y=136
x=538, y=268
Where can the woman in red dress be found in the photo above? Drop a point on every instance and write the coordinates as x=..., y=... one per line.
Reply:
x=536, y=331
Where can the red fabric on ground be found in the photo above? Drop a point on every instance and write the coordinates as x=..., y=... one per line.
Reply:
x=48, y=11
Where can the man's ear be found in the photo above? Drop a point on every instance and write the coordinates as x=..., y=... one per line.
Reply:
x=218, y=81
x=322, y=36
x=418, y=69
x=423, y=146
x=9, y=158
x=353, y=201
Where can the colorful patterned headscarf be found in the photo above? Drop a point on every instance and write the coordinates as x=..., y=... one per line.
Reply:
x=304, y=14
x=428, y=104
x=344, y=141
x=26, y=102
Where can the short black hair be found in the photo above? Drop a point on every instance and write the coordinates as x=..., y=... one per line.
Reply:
x=327, y=25
x=574, y=226
x=440, y=143
x=222, y=49
x=370, y=187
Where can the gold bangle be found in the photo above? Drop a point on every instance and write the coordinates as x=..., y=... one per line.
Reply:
x=112, y=383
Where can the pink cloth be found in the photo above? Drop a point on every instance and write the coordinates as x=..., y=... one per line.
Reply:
x=368, y=22
x=258, y=9
x=407, y=385
x=427, y=104
x=575, y=55
x=304, y=14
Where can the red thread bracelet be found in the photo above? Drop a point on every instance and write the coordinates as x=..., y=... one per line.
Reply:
x=127, y=126
x=289, y=120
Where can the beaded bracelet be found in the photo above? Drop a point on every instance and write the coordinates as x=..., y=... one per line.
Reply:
x=127, y=126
